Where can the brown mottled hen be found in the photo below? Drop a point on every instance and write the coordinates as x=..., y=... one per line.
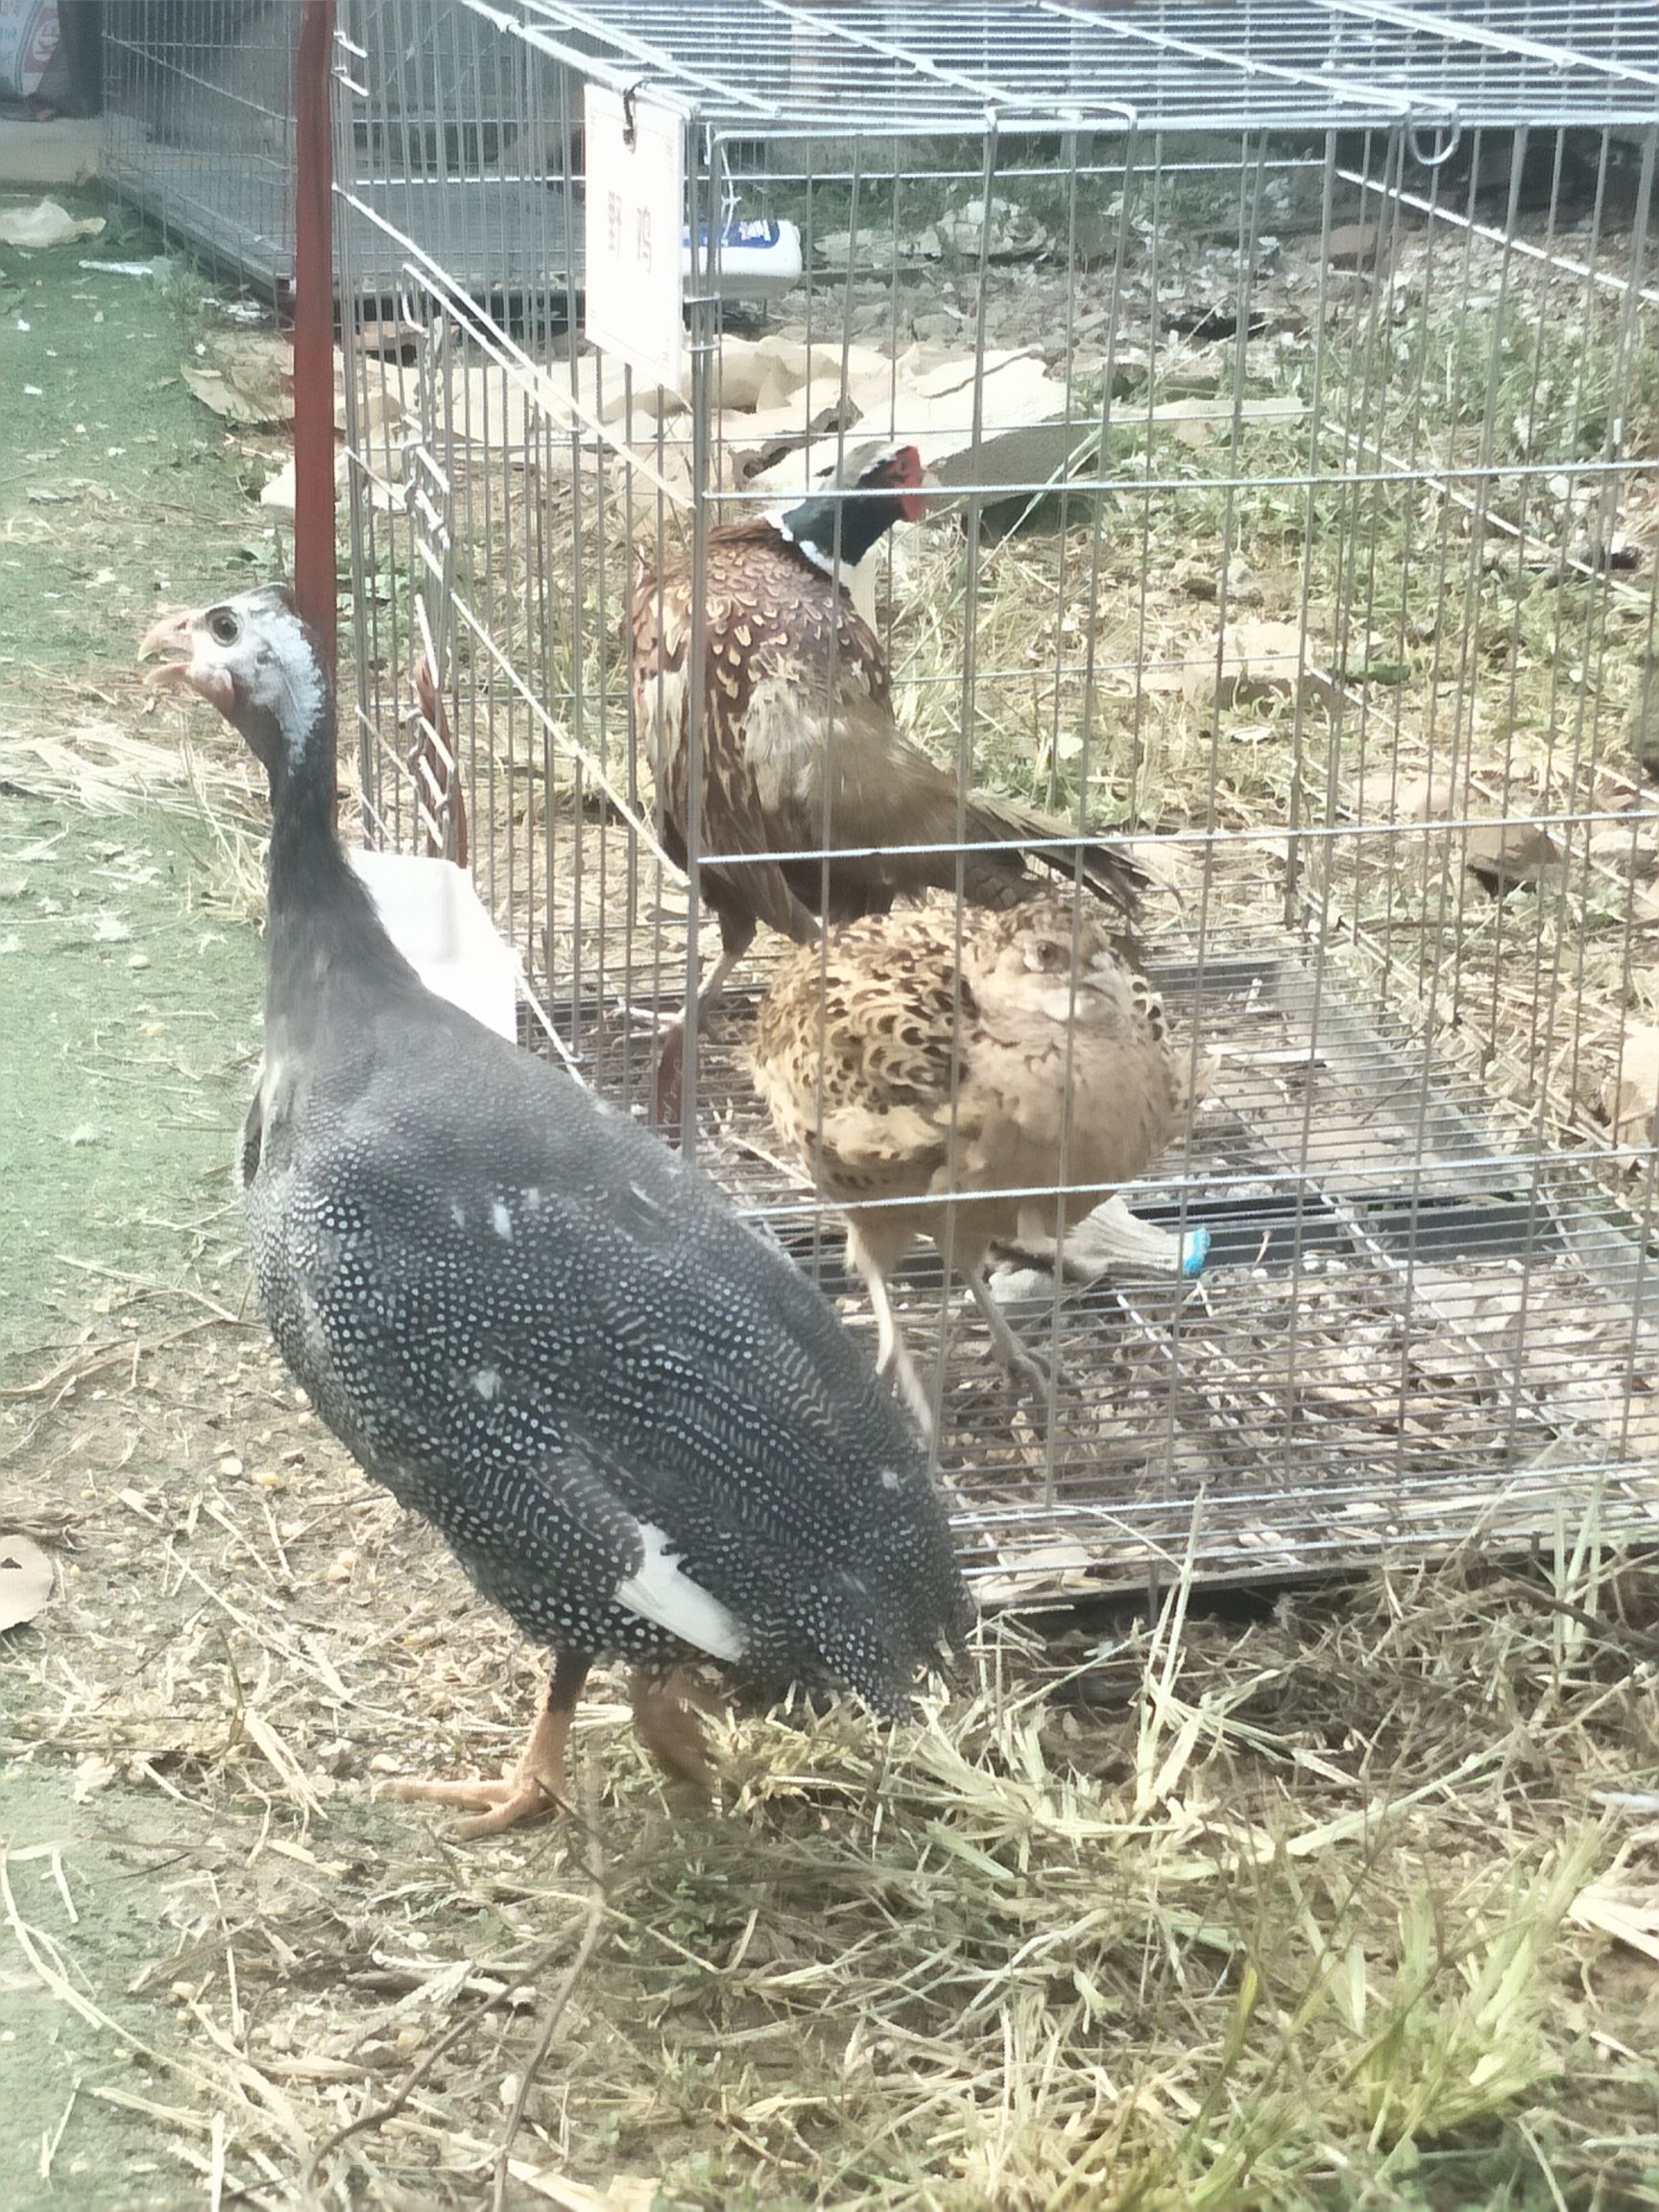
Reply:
x=801, y=753
x=962, y=1084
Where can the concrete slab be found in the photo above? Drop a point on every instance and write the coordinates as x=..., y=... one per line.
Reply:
x=40, y=156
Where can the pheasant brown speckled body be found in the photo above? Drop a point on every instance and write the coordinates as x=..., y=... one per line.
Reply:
x=929, y=1069
x=776, y=628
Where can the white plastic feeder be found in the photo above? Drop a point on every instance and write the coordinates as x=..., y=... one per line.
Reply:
x=437, y=921
x=757, y=259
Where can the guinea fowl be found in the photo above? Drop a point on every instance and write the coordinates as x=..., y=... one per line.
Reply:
x=800, y=752
x=637, y=1425
x=968, y=1081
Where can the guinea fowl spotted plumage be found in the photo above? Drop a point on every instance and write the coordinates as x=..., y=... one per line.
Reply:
x=638, y=1426
x=934, y=1068
x=800, y=752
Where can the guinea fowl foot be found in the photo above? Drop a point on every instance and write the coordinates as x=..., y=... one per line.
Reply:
x=498, y=1805
x=536, y=1786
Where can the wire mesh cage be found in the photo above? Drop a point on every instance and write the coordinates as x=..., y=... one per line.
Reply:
x=199, y=136
x=199, y=125
x=1284, y=380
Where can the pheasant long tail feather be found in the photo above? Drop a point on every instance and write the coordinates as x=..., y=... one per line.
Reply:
x=1107, y=870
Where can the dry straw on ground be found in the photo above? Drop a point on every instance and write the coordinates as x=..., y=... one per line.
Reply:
x=1297, y=1911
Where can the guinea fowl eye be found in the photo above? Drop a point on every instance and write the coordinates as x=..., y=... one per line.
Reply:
x=223, y=626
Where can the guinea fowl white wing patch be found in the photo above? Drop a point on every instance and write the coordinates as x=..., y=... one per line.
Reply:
x=661, y=1593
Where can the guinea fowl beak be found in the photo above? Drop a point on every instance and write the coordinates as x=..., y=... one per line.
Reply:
x=174, y=635
x=169, y=633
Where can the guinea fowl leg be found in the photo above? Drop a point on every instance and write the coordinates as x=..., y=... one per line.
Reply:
x=536, y=1785
x=736, y=935
x=670, y=1730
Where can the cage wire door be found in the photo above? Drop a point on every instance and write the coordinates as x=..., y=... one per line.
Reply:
x=1293, y=525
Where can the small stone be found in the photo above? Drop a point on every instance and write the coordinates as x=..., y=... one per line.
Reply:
x=1503, y=855
x=1355, y=246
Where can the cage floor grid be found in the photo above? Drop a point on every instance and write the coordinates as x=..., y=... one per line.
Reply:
x=1406, y=1339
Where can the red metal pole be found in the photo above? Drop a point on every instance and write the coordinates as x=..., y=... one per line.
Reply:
x=314, y=556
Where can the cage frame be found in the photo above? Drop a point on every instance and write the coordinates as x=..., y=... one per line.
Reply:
x=1528, y=1507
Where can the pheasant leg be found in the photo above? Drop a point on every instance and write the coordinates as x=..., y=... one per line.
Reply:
x=892, y=1353
x=735, y=939
x=536, y=1785
x=1022, y=1367
x=666, y=1083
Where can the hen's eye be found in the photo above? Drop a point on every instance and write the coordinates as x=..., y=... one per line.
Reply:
x=223, y=626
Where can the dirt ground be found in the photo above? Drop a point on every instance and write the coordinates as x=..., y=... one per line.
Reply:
x=127, y=997
x=1347, y=1902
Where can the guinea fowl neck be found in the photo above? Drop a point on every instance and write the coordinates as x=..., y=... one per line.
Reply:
x=321, y=929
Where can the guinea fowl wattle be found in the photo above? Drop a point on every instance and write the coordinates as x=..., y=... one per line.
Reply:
x=637, y=1425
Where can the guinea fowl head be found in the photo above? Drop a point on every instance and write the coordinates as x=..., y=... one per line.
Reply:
x=888, y=481
x=255, y=660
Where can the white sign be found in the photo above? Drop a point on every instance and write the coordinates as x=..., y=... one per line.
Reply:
x=636, y=213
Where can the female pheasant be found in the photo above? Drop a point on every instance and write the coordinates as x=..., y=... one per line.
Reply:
x=971, y=1080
